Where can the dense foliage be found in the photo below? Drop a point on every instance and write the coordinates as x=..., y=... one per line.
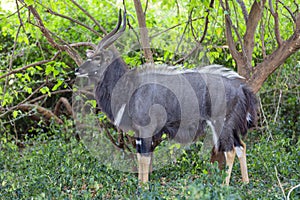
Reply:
x=41, y=157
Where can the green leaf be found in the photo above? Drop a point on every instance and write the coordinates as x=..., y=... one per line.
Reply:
x=49, y=69
x=15, y=114
x=92, y=102
x=28, y=89
x=29, y=2
x=45, y=90
x=59, y=83
x=39, y=68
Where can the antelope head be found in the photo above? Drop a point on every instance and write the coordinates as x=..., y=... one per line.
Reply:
x=100, y=58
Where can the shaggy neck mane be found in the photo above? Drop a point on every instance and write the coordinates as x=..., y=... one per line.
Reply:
x=106, y=85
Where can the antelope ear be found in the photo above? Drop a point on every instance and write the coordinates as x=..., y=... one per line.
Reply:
x=89, y=53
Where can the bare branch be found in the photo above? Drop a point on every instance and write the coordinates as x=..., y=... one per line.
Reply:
x=181, y=38
x=12, y=14
x=43, y=29
x=11, y=59
x=73, y=20
x=211, y=5
x=231, y=44
x=19, y=16
x=30, y=65
x=186, y=56
x=244, y=10
x=110, y=137
x=276, y=20
x=33, y=93
x=33, y=101
x=177, y=6
x=41, y=110
x=205, y=24
x=146, y=7
x=79, y=44
x=262, y=38
x=90, y=16
x=191, y=23
x=47, y=95
x=172, y=27
x=65, y=102
x=72, y=53
x=289, y=10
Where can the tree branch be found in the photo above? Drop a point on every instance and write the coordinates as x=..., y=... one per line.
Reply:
x=211, y=5
x=72, y=53
x=47, y=95
x=274, y=60
x=73, y=20
x=254, y=17
x=228, y=32
x=43, y=111
x=79, y=44
x=33, y=93
x=9, y=110
x=90, y=16
x=244, y=10
x=276, y=20
x=30, y=65
x=289, y=10
x=65, y=102
x=11, y=59
x=143, y=31
x=262, y=38
x=174, y=26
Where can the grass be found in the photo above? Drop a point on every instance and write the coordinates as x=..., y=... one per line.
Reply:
x=53, y=168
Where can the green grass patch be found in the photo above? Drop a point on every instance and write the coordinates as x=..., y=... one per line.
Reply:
x=56, y=168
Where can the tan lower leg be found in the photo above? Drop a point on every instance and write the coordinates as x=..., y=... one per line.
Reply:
x=144, y=167
x=230, y=155
x=243, y=162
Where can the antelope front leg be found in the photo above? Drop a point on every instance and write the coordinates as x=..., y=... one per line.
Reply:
x=241, y=153
x=144, y=161
x=144, y=156
x=229, y=155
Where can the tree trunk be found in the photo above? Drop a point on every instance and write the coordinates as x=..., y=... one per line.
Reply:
x=273, y=61
x=257, y=75
x=143, y=31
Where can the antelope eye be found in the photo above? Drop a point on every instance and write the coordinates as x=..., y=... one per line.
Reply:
x=97, y=58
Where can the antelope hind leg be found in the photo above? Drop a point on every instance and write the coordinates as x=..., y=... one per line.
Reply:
x=241, y=153
x=229, y=155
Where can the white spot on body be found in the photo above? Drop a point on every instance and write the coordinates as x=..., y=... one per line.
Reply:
x=239, y=151
x=138, y=142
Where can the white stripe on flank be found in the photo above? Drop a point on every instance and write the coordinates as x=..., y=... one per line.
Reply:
x=215, y=136
x=119, y=115
x=249, y=117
